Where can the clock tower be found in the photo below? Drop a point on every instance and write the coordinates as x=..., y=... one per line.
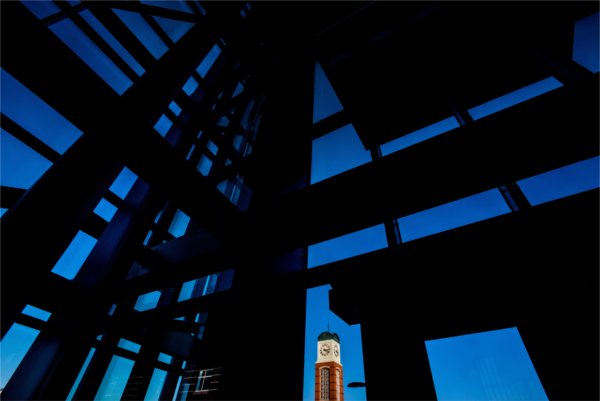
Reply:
x=329, y=375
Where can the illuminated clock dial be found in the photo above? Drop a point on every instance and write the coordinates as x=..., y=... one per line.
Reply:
x=325, y=349
x=336, y=350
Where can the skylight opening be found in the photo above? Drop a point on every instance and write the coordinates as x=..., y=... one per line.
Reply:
x=143, y=31
x=336, y=152
x=562, y=182
x=349, y=245
x=418, y=136
x=36, y=116
x=514, y=98
x=462, y=212
x=492, y=365
x=74, y=256
x=91, y=55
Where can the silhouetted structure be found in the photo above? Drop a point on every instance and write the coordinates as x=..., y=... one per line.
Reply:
x=226, y=293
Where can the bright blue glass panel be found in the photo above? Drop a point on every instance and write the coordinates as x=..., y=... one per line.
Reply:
x=173, y=5
x=318, y=319
x=189, y=155
x=112, y=41
x=147, y=301
x=204, y=165
x=115, y=379
x=41, y=9
x=2, y=211
x=20, y=166
x=586, y=43
x=208, y=61
x=212, y=147
x=174, y=107
x=238, y=89
x=190, y=86
x=34, y=115
x=165, y=358
x=514, y=98
x=156, y=385
x=326, y=101
x=90, y=54
x=71, y=261
x=144, y=32
x=163, y=125
x=112, y=310
x=105, y=209
x=419, y=136
x=186, y=290
x=173, y=28
x=129, y=345
x=337, y=152
x=123, y=183
x=179, y=224
x=455, y=214
x=493, y=365
x=80, y=375
x=564, y=181
x=14, y=346
x=36, y=313
x=147, y=239
x=346, y=246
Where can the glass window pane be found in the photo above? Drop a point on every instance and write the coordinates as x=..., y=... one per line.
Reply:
x=173, y=5
x=208, y=61
x=212, y=147
x=144, y=32
x=163, y=125
x=179, y=224
x=2, y=211
x=514, y=98
x=562, y=182
x=41, y=9
x=586, y=43
x=129, y=345
x=115, y=379
x=346, y=246
x=36, y=313
x=455, y=214
x=90, y=54
x=336, y=152
x=238, y=89
x=123, y=183
x=80, y=375
x=20, y=166
x=326, y=101
x=165, y=358
x=71, y=261
x=493, y=365
x=112, y=41
x=174, y=107
x=156, y=385
x=419, y=136
x=190, y=86
x=173, y=28
x=147, y=301
x=15, y=345
x=204, y=165
x=35, y=116
x=105, y=209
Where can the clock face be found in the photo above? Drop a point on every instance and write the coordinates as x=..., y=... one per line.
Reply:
x=336, y=350
x=325, y=349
